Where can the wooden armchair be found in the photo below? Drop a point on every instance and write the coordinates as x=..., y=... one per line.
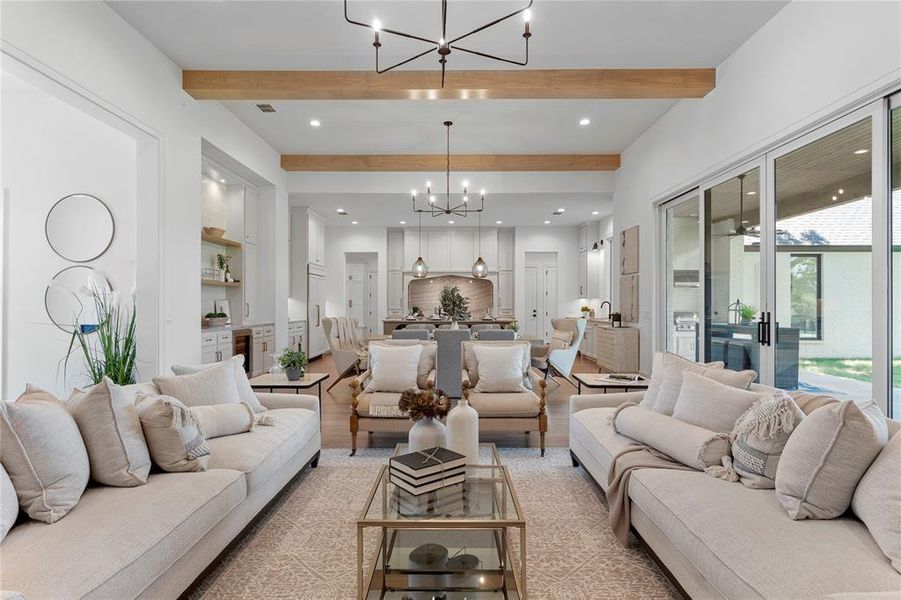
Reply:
x=524, y=410
x=378, y=411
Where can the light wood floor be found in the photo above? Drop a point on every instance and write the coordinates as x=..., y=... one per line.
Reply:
x=336, y=413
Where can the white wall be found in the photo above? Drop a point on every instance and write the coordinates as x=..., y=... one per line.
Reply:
x=92, y=49
x=565, y=242
x=810, y=60
x=342, y=240
x=51, y=150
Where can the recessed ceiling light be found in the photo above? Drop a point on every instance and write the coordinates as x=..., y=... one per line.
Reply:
x=450, y=222
x=315, y=123
x=584, y=121
x=353, y=222
x=403, y=222
x=861, y=151
x=498, y=222
x=594, y=212
x=341, y=211
x=547, y=222
x=221, y=181
x=561, y=210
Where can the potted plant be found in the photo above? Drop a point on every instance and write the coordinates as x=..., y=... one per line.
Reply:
x=747, y=313
x=585, y=310
x=113, y=352
x=513, y=325
x=616, y=319
x=454, y=305
x=425, y=408
x=294, y=362
x=215, y=319
x=222, y=263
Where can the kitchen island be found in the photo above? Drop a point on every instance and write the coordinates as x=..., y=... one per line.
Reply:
x=390, y=325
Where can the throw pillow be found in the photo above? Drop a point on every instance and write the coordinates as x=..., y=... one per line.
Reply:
x=711, y=404
x=394, y=368
x=810, y=402
x=215, y=385
x=112, y=434
x=693, y=446
x=218, y=420
x=173, y=434
x=245, y=392
x=471, y=363
x=759, y=437
x=43, y=452
x=877, y=500
x=666, y=380
x=9, y=503
x=500, y=368
x=823, y=460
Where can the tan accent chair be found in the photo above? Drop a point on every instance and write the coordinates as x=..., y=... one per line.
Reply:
x=506, y=411
x=348, y=350
x=378, y=411
x=560, y=354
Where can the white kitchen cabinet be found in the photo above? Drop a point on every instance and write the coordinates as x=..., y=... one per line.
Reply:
x=505, y=294
x=216, y=346
x=412, y=248
x=588, y=342
x=250, y=285
x=582, y=273
x=583, y=237
x=488, y=249
x=396, y=250
x=315, y=239
x=462, y=252
x=317, y=343
x=439, y=251
x=396, y=294
x=504, y=249
x=296, y=335
x=251, y=216
x=263, y=349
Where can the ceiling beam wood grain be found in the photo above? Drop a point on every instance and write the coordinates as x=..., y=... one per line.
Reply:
x=540, y=84
x=459, y=162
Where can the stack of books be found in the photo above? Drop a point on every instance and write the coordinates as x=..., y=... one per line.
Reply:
x=426, y=471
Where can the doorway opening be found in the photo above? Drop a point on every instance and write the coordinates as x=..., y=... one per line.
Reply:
x=361, y=289
x=540, y=287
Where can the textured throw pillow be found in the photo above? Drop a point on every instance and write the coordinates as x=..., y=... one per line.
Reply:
x=711, y=404
x=215, y=385
x=666, y=380
x=9, y=503
x=693, y=446
x=877, y=500
x=109, y=424
x=471, y=363
x=823, y=460
x=245, y=392
x=394, y=368
x=500, y=368
x=810, y=402
x=173, y=434
x=759, y=437
x=219, y=420
x=43, y=452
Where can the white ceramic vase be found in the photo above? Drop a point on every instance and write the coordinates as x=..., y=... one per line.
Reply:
x=427, y=433
x=454, y=324
x=463, y=431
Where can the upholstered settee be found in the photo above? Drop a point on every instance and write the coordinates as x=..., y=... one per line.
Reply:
x=724, y=540
x=156, y=539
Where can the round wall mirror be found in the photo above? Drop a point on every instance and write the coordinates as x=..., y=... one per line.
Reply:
x=79, y=228
x=69, y=298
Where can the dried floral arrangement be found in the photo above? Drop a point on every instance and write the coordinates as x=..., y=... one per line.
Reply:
x=425, y=404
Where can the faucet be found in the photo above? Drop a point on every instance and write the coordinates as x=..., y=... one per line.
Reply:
x=609, y=308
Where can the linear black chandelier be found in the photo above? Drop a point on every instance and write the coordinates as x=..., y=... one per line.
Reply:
x=443, y=46
x=436, y=210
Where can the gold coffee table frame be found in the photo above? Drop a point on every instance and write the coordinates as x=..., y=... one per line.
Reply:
x=510, y=580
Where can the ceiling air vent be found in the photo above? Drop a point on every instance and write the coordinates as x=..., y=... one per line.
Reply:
x=266, y=108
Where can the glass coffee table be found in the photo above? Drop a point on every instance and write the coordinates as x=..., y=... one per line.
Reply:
x=463, y=542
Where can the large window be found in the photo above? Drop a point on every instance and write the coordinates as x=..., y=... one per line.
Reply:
x=682, y=276
x=806, y=295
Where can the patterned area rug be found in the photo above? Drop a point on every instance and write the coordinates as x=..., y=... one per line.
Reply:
x=304, y=547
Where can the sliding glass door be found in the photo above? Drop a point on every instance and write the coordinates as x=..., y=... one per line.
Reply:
x=681, y=275
x=822, y=323
x=733, y=298
x=895, y=242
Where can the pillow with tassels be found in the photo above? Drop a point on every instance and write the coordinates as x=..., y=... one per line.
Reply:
x=174, y=435
x=758, y=438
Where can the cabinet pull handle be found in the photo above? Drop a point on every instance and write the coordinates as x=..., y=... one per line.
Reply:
x=247, y=309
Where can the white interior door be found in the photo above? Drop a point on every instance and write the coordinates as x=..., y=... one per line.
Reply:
x=530, y=325
x=372, y=302
x=355, y=293
x=550, y=300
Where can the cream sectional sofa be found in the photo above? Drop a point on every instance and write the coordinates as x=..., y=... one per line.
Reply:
x=724, y=540
x=155, y=540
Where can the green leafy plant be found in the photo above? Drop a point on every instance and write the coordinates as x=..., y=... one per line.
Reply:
x=216, y=315
x=292, y=359
x=747, y=312
x=222, y=261
x=453, y=303
x=513, y=325
x=586, y=309
x=108, y=347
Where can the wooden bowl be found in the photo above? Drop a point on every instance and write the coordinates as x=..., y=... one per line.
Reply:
x=214, y=231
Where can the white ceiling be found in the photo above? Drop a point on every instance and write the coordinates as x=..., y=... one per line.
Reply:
x=312, y=34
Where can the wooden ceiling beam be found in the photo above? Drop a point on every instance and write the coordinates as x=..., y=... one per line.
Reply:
x=459, y=162
x=541, y=84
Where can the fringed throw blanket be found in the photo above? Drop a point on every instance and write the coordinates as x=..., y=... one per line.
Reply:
x=635, y=456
